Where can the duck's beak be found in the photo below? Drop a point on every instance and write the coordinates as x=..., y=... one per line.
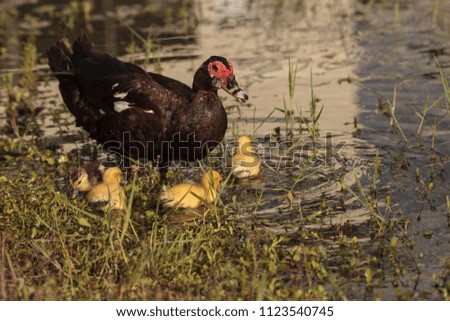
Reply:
x=234, y=90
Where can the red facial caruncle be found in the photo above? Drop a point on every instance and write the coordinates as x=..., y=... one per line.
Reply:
x=219, y=70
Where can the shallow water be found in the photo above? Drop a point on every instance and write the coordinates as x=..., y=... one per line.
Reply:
x=352, y=53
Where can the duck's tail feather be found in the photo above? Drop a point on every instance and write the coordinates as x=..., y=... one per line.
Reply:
x=60, y=60
x=82, y=48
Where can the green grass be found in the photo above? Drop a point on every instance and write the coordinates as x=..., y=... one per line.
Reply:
x=57, y=247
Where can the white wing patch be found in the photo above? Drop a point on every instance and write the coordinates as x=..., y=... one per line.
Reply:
x=120, y=95
x=121, y=105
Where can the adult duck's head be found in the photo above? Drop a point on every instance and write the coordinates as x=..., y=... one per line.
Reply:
x=215, y=73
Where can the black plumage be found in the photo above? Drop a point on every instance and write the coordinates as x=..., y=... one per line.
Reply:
x=139, y=114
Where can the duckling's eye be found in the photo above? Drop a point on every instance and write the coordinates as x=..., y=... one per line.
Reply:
x=79, y=181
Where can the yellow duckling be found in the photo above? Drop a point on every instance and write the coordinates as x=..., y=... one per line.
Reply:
x=187, y=195
x=245, y=163
x=85, y=177
x=109, y=190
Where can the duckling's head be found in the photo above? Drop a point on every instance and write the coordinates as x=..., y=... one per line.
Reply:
x=79, y=179
x=243, y=139
x=112, y=175
x=211, y=178
x=244, y=144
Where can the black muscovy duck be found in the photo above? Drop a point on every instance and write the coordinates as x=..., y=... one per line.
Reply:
x=140, y=114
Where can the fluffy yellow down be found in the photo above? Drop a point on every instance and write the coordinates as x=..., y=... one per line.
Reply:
x=186, y=195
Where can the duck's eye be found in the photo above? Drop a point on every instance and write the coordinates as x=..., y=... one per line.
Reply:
x=215, y=68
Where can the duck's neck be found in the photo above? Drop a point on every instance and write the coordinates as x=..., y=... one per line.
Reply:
x=244, y=149
x=202, y=124
x=210, y=192
x=85, y=184
x=207, y=182
x=202, y=81
x=211, y=195
x=205, y=116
